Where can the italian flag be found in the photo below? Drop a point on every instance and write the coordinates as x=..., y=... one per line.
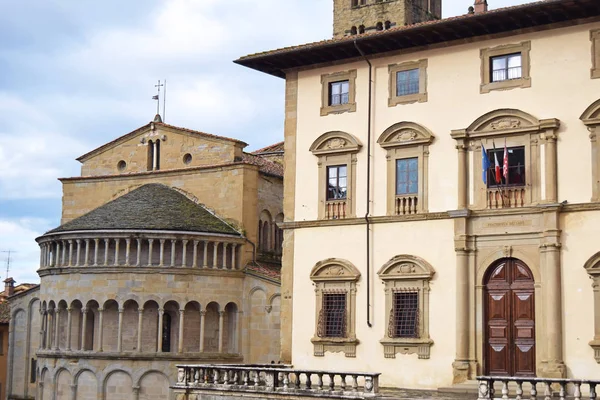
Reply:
x=498, y=173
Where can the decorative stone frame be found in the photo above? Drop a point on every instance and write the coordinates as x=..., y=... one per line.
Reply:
x=486, y=74
x=592, y=267
x=407, y=140
x=591, y=118
x=595, y=38
x=399, y=274
x=420, y=97
x=326, y=79
x=336, y=275
x=538, y=137
x=336, y=148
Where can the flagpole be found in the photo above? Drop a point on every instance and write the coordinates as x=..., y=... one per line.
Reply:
x=165, y=103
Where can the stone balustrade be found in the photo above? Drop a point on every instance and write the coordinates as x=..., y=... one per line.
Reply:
x=335, y=209
x=510, y=197
x=276, y=378
x=140, y=250
x=406, y=204
x=513, y=388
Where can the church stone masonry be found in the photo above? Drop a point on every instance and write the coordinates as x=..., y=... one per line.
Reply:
x=168, y=253
x=512, y=281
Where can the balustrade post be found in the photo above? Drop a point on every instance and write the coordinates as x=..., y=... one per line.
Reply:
x=173, y=244
x=120, y=331
x=138, y=260
x=202, y=317
x=78, y=252
x=106, y=246
x=87, y=252
x=221, y=318
x=159, y=340
x=205, y=255
x=96, y=243
x=56, y=327
x=84, y=312
x=162, y=253
x=215, y=253
x=117, y=245
x=195, y=260
x=150, y=245
x=100, y=329
x=127, y=251
x=181, y=322
x=139, y=336
x=184, y=254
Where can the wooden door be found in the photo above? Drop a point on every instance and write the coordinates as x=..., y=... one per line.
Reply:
x=509, y=318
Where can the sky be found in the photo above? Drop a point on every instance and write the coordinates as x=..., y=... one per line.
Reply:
x=76, y=74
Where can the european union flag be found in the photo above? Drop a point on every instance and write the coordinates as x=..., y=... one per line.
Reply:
x=485, y=163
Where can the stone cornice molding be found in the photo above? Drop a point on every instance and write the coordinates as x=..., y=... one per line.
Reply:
x=405, y=267
x=110, y=270
x=404, y=134
x=335, y=142
x=334, y=269
x=139, y=234
x=591, y=116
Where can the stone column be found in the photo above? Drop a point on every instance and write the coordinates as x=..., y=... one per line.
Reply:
x=49, y=317
x=180, y=341
x=555, y=367
x=100, y=329
x=43, y=318
x=42, y=255
x=221, y=317
x=117, y=245
x=155, y=155
x=233, y=260
x=551, y=167
x=139, y=336
x=120, y=331
x=162, y=253
x=215, y=252
x=78, y=252
x=139, y=253
x=96, y=243
x=70, y=253
x=462, y=175
x=106, y=245
x=150, y=245
x=136, y=392
x=184, y=254
x=202, y=317
x=84, y=312
x=195, y=260
x=56, y=327
x=69, y=325
x=173, y=243
x=160, y=330
x=87, y=252
x=57, y=255
x=225, y=245
x=64, y=253
x=73, y=392
x=127, y=251
x=205, y=255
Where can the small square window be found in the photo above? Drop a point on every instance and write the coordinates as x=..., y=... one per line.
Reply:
x=506, y=67
x=339, y=93
x=332, y=321
x=337, y=182
x=407, y=82
x=405, y=315
x=516, y=167
x=407, y=176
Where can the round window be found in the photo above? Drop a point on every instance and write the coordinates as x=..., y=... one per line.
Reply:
x=121, y=165
x=187, y=158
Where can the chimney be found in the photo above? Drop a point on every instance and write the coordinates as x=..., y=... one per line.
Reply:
x=9, y=287
x=481, y=6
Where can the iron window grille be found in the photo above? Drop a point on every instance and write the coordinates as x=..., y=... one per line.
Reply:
x=516, y=167
x=404, y=315
x=332, y=317
x=506, y=67
x=337, y=182
x=407, y=82
x=407, y=176
x=339, y=93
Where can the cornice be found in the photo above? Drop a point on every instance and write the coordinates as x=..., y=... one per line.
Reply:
x=111, y=270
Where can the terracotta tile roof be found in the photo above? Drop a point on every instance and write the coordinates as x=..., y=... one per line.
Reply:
x=265, y=166
x=274, y=148
x=159, y=124
x=465, y=27
x=4, y=312
x=268, y=270
x=150, y=207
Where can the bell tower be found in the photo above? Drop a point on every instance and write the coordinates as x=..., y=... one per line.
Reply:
x=351, y=17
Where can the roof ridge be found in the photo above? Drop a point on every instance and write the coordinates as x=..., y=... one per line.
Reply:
x=257, y=152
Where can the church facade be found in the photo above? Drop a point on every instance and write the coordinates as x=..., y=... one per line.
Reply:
x=442, y=193
x=167, y=253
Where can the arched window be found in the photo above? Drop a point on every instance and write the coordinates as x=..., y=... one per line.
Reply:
x=166, y=333
x=388, y=25
x=150, y=162
x=265, y=237
x=353, y=30
x=379, y=26
x=361, y=29
x=157, y=163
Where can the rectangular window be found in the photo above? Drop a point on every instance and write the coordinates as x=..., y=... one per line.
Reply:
x=405, y=315
x=407, y=82
x=337, y=182
x=516, y=167
x=407, y=176
x=339, y=93
x=333, y=322
x=33, y=370
x=506, y=67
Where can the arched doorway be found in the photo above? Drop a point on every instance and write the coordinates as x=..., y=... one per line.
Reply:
x=509, y=319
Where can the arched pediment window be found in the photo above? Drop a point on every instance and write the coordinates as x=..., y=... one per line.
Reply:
x=407, y=145
x=591, y=119
x=592, y=267
x=335, y=313
x=531, y=160
x=336, y=151
x=406, y=280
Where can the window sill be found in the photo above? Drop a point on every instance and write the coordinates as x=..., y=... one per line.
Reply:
x=335, y=345
x=393, y=346
x=338, y=109
x=506, y=85
x=407, y=99
x=595, y=344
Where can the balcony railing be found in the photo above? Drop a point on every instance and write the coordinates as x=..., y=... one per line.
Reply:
x=406, y=204
x=271, y=378
x=511, y=197
x=513, y=388
x=335, y=209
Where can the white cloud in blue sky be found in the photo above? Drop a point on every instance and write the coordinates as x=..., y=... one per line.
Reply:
x=76, y=74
